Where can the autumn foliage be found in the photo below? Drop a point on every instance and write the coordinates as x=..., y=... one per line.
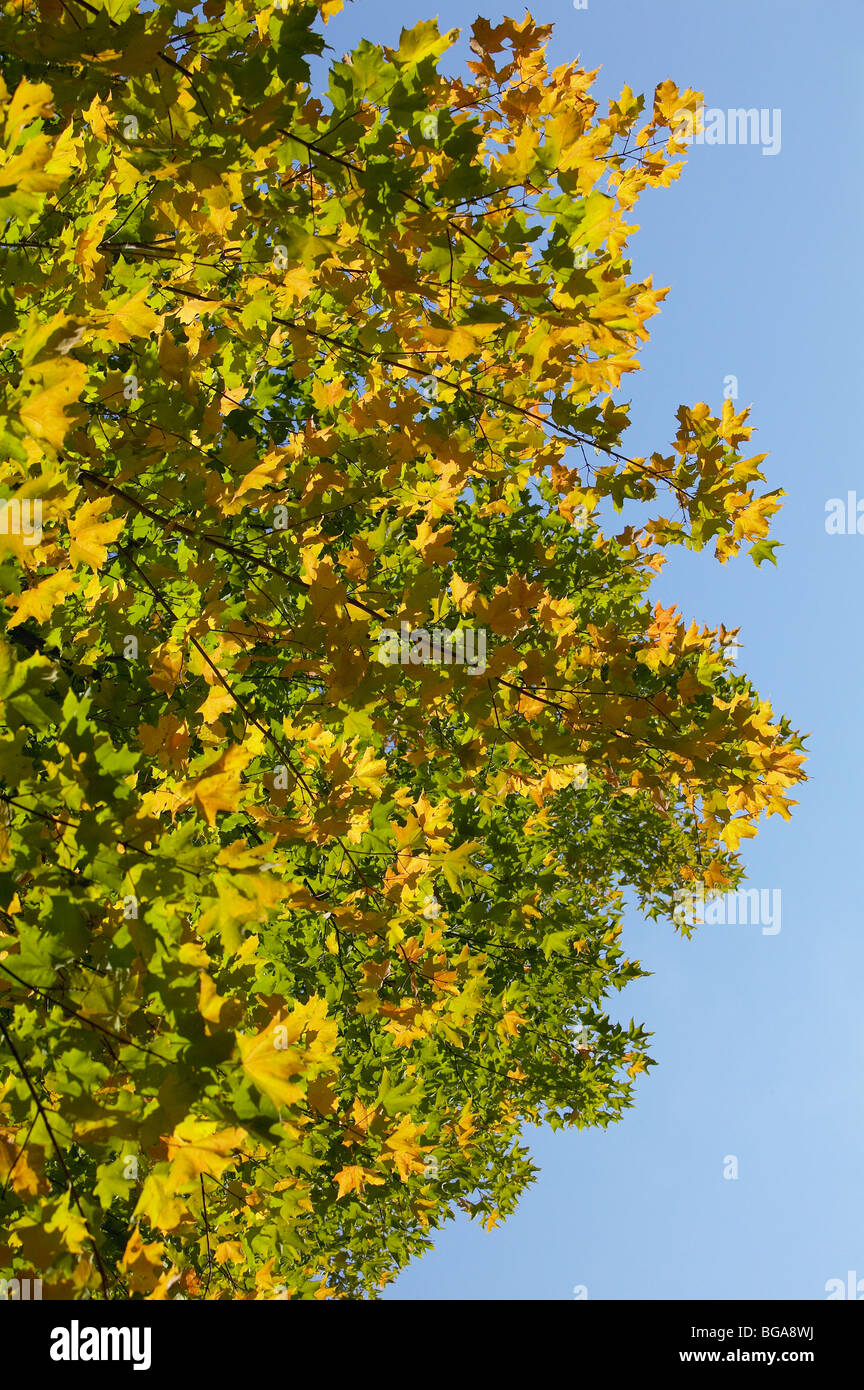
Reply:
x=293, y=942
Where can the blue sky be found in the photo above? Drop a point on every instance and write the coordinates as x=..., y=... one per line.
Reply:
x=759, y=1038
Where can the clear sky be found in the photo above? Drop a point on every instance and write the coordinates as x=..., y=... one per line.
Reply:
x=759, y=1037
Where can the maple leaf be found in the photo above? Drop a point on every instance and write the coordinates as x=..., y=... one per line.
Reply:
x=199, y=1146
x=91, y=535
x=354, y=1178
x=43, y=412
x=510, y=1024
x=735, y=831
x=142, y=1262
x=39, y=602
x=132, y=318
x=432, y=544
x=16, y=1166
x=160, y=1203
x=218, y=788
x=166, y=664
x=369, y=771
x=87, y=257
x=273, y=1062
x=219, y=701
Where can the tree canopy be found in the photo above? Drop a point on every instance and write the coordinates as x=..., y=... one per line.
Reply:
x=298, y=352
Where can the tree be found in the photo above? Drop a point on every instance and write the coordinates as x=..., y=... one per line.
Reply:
x=334, y=724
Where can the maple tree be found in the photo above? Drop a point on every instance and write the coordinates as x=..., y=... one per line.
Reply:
x=294, y=941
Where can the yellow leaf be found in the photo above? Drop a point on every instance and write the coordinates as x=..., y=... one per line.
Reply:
x=197, y=1146
x=193, y=953
x=43, y=413
x=278, y=1068
x=353, y=1178
x=297, y=283
x=267, y=473
x=510, y=1024
x=168, y=740
x=689, y=687
x=30, y=99
x=733, y=833
x=403, y=1150
x=432, y=544
x=133, y=318
x=142, y=1263
x=87, y=256
x=220, y=787
x=166, y=663
x=230, y=1252
x=217, y=1008
x=15, y=1158
x=42, y=599
x=369, y=771
x=218, y=702
x=159, y=1203
x=69, y=1225
x=322, y=1098
x=90, y=535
